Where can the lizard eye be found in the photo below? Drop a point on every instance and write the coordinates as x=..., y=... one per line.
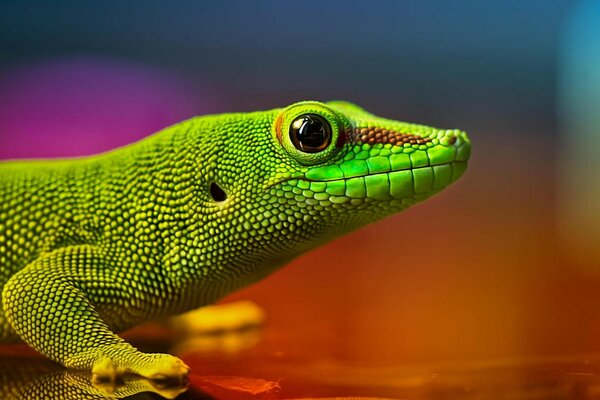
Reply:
x=310, y=133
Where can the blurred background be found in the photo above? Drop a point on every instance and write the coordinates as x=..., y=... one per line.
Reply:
x=505, y=263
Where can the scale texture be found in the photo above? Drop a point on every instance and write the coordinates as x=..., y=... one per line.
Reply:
x=95, y=245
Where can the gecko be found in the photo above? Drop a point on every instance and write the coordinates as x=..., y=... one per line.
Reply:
x=94, y=245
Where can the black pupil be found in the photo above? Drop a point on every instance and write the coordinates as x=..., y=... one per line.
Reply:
x=310, y=133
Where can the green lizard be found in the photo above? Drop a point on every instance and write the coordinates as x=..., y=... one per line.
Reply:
x=96, y=245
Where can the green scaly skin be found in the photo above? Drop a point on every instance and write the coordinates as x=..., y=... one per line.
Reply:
x=96, y=245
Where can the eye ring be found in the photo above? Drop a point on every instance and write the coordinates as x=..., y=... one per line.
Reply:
x=310, y=133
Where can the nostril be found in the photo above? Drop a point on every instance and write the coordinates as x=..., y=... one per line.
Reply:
x=452, y=140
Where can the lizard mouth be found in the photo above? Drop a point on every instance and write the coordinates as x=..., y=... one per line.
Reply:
x=397, y=184
x=349, y=176
x=385, y=165
x=385, y=186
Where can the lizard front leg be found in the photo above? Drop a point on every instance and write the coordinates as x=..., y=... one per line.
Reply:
x=48, y=305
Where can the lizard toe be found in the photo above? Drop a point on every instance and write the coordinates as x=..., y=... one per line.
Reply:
x=167, y=369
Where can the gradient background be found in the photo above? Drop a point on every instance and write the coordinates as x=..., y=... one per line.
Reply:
x=504, y=263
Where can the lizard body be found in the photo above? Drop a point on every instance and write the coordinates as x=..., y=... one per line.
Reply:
x=95, y=245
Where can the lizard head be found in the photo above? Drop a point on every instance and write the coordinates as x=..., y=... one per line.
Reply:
x=347, y=167
x=287, y=180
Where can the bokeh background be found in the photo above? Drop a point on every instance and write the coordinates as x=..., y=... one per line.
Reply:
x=505, y=263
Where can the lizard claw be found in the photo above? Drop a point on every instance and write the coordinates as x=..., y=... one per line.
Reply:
x=167, y=368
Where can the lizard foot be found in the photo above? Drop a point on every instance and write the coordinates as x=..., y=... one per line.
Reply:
x=229, y=317
x=166, y=369
x=161, y=368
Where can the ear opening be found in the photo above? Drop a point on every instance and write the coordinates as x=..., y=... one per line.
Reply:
x=217, y=193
